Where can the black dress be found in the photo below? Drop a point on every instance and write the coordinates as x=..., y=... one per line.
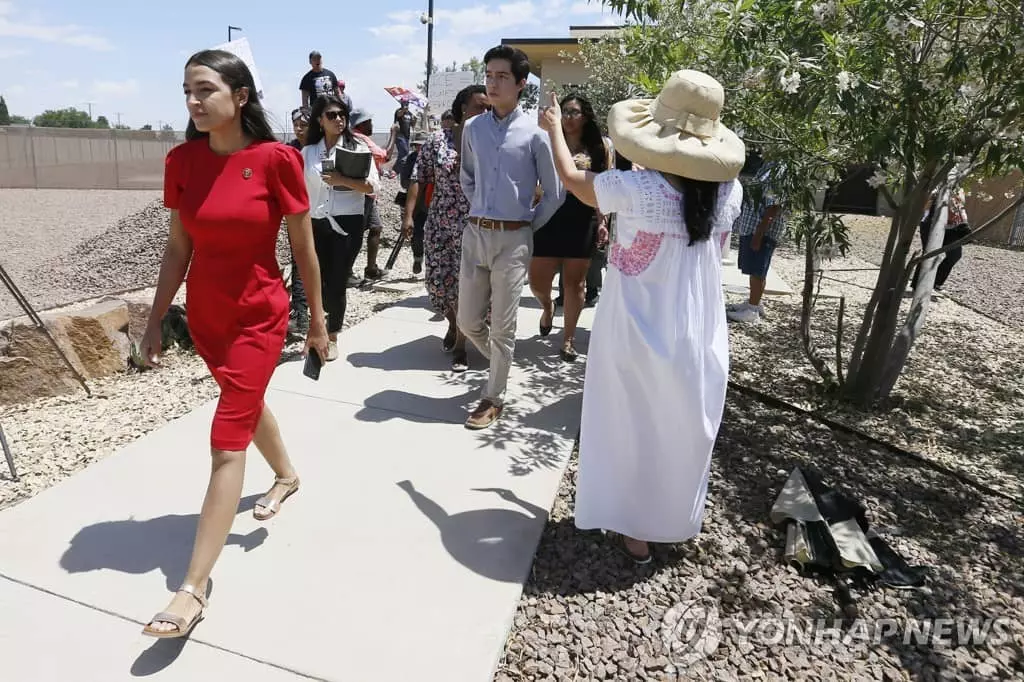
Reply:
x=572, y=231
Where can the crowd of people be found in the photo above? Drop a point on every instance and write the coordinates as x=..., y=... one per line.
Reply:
x=495, y=201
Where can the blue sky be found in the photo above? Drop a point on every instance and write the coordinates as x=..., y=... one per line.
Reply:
x=128, y=59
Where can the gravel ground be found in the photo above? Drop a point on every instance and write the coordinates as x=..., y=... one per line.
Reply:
x=987, y=278
x=55, y=437
x=586, y=614
x=41, y=232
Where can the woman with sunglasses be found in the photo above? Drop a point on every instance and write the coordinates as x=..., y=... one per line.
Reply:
x=337, y=204
x=568, y=241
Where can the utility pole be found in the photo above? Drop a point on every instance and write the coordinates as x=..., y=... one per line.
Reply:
x=118, y=114
x=89, y=104
x=230, y=29
x=430, y=46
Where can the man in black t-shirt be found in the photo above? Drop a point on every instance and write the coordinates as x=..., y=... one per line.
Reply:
x=320, y=81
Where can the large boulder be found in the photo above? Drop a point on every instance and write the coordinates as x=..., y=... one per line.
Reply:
x=95, y=340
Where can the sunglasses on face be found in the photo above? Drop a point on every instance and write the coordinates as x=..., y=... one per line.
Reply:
x=333, y=115
x=571, y=113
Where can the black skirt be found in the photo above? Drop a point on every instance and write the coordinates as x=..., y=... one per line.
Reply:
x=571, y=232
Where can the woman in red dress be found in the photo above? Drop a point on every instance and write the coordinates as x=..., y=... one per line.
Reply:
x=228, y=188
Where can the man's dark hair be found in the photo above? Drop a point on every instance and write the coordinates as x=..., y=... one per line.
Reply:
x=516, y=57
x=314, y=55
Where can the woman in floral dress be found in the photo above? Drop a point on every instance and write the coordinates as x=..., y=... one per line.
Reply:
x=438, y=165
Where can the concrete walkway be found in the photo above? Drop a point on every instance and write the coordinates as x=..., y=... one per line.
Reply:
x=401, y=558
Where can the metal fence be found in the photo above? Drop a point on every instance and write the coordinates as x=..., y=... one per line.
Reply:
x=89, y=158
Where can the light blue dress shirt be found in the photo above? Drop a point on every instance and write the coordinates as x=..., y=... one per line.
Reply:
x=502, y=162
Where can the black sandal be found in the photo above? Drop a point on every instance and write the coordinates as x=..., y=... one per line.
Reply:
x=448, y=344
x=460, y=361
x=569, y=353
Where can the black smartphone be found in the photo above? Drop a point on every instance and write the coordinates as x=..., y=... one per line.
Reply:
x=313, y=365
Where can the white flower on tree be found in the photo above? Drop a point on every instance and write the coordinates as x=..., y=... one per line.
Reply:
x=790, y=82
x=895, y=27
x=846, y=80
x=823, y=11
x=878, y=179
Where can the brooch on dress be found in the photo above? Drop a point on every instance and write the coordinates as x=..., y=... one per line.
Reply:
x=247, y=173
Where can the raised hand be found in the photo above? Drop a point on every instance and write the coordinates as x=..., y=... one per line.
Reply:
x=550, y=117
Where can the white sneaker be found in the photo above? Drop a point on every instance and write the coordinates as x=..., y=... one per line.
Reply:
x=745, y=313
x=332, y=351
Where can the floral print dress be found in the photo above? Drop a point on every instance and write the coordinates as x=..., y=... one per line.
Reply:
x=437, y=163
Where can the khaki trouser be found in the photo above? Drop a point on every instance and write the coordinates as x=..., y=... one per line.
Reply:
x=492, y=276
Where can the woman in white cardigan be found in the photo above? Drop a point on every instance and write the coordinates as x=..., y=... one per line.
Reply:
x=337, y=206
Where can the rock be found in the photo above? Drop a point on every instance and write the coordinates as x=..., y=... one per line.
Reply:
x=95, y=341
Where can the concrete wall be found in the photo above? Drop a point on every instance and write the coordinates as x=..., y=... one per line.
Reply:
x=77, y=158
x=68, y=158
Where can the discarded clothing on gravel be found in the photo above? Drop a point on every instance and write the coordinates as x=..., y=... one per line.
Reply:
x=827, y=532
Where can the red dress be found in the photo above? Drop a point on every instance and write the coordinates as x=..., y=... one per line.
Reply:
x=232, y=207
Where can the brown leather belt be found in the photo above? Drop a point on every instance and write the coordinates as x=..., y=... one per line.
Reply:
x=501, y=225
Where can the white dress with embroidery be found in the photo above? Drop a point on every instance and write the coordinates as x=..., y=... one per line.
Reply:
x=657, y=365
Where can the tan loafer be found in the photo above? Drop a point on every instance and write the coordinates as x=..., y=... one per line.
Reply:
x=484, y=415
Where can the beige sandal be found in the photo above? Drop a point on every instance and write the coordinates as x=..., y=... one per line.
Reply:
x=272, y=506
x=184, y=627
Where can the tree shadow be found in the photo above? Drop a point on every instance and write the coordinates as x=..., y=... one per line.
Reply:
x=139, y=547
x=497, y=544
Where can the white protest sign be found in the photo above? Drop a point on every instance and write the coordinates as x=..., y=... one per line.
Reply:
x=240, y=48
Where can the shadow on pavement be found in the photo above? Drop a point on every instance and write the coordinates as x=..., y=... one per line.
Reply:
x=489, y=542
x=139, y=547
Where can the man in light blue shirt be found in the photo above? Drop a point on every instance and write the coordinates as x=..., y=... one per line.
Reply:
x=504, y=156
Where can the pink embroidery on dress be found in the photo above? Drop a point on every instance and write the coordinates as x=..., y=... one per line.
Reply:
x=633, y=260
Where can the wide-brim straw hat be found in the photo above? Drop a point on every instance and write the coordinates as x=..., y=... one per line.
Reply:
x=680, y=131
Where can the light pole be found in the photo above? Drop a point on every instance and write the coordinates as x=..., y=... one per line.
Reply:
x=230, y=29
x=428, y=19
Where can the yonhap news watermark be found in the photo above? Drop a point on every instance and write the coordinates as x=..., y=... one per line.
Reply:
x=693, y=630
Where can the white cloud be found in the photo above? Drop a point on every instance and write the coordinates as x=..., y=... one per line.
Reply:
x=116, y=88
x=67, y=34
x=483, y=19
x=11, y=52
x=397, y=32
x=68, y=85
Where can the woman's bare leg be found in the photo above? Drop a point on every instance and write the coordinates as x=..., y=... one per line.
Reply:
x=267, y=440
x=219, y=508
x=574, y=276
x=542, y=274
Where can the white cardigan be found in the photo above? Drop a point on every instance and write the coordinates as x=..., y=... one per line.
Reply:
x=326, y=201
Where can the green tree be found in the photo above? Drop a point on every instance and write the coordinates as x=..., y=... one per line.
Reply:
x=5, y=116
x=101, y=122
x=19, y=120
x=148, y=126
x=926, y=91
x=63, y=118
x=618, y=77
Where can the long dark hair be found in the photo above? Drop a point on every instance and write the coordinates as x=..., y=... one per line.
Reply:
x=700, y=198
x=591, y=136
x=462, y=98
x=236, y=75
x=315, y=132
